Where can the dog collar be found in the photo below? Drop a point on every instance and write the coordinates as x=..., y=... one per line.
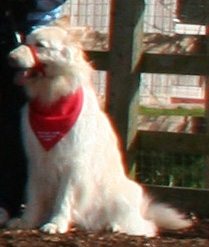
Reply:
x=38, y=65
x=51, y=123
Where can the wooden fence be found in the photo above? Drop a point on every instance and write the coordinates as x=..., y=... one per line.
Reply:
x=124, y=61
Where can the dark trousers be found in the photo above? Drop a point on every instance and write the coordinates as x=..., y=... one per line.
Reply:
x=12, y=158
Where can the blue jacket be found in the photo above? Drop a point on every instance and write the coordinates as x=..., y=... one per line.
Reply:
x=46, y=11
x=43, y=12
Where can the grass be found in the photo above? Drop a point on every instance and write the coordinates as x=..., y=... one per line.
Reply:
x=180, y=111
x=171, y=169
x=168, y=169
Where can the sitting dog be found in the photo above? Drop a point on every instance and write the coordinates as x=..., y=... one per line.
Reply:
x=76, y=176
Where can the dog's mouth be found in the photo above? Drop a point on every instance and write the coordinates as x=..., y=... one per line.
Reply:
x=32, y=72
x=23, y=75
x=37, y=70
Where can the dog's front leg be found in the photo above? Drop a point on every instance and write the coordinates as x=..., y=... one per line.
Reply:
x=60, y=222
x=61, y=217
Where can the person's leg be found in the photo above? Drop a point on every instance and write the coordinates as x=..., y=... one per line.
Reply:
x=12, y=159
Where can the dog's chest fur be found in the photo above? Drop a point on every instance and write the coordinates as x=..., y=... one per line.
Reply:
x=76, y=156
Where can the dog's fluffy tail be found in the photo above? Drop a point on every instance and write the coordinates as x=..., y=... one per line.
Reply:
x=166, y=217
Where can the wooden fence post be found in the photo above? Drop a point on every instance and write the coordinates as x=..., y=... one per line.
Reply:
x=206, y=170
x=123, y=83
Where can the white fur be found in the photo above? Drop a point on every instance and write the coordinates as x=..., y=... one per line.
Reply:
x=80, y=181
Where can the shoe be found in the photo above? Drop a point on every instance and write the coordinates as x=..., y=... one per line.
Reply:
x=4, y=217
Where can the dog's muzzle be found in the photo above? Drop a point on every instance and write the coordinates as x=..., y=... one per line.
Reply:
x=38, y=65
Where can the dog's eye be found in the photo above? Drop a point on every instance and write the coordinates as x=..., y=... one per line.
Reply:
x=40, y=44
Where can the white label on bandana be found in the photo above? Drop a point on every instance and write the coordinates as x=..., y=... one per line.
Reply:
x=48, y=135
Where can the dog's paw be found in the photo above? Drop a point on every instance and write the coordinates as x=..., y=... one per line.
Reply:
x=53, y=228
x=116, y=228
x=50, y=228
x=4, y=216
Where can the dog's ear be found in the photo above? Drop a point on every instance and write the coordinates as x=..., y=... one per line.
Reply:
x=78, y=35
x=63, y=22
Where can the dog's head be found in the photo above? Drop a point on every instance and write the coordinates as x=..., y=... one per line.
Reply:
x=52, y=55
x=49, y=51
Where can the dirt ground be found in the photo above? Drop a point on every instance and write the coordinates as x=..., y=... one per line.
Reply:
x=198, y=236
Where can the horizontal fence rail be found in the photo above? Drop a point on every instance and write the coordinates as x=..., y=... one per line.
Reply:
x=171, y=142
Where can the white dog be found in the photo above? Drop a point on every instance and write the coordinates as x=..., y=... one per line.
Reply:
x=75, y=174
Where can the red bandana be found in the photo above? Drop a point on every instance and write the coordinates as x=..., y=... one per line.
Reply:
x=51, y=123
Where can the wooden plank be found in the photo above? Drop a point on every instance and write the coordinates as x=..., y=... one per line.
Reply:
x=189, y=200
x=158, y=63
x=206, y=170
x=171, y=142
x=174, y=64
x=138, y=47
x=132, y=132
x=99, y=59
x=133, y=118
x=123, y=84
